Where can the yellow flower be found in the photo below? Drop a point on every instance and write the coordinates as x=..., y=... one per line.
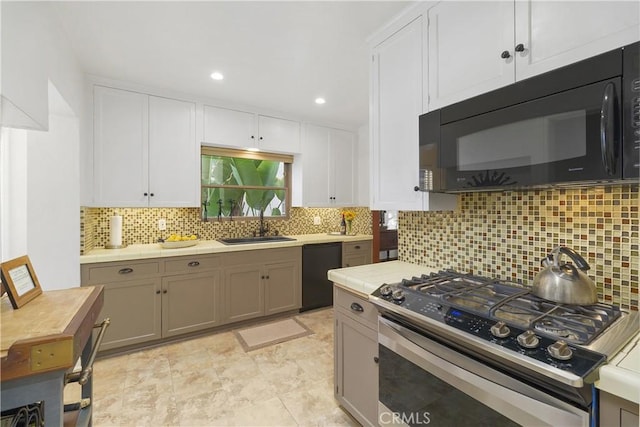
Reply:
x=349, y=215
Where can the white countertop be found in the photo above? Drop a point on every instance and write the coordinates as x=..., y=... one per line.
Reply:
x=621, y=376
x=154, y=250
x=365, y=279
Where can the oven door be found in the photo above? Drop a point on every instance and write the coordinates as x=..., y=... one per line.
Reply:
x=566, y=137
x=424, y=382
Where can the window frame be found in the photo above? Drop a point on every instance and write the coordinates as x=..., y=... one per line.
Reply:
x=287, y=159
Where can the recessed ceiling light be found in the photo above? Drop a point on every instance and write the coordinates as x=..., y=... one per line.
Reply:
x=217, y=75
x=320, y=101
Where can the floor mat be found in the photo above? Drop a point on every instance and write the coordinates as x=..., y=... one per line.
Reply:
x=268, y=334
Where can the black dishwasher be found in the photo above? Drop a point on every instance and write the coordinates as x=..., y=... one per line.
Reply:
x=317, y=290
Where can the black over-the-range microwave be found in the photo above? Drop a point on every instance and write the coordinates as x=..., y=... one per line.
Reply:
x=579, y=124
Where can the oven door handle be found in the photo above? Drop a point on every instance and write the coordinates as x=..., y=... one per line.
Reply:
x=506, y=395
x=607, y=129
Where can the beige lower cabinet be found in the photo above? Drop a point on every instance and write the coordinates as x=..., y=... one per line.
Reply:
x=262, y=282
x=283, y=287
x=356, y=356
x=356, y=253
x=159, y=298
x=190, y=302
x=148, y=300
x=617, y=412
x=243, y=293
x=134, y=307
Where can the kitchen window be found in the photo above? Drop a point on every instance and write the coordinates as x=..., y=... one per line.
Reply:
x=237, y=183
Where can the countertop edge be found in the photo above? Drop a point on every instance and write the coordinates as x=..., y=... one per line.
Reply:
x=154, y=250
x=621, y=376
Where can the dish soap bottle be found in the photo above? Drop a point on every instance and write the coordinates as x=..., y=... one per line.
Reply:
x=343, y=226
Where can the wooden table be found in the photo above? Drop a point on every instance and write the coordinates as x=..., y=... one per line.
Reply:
x=41, y=342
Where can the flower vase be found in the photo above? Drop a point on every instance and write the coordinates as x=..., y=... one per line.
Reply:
x=349, y=224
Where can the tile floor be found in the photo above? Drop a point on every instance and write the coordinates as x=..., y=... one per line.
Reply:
x=211, y=381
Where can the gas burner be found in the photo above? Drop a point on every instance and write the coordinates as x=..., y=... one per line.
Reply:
x=548, y=327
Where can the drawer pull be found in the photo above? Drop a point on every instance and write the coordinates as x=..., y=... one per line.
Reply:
x=193, y=264
x=125, y=270
x=356, y=307
x=357, y=247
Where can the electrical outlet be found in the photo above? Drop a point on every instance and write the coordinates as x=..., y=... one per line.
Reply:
x=162, y=224
x=317, y=220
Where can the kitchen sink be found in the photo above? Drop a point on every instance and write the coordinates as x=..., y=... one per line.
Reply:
x=256, y=239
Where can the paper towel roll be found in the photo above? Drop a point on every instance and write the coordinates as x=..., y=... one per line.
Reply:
x=115, y=231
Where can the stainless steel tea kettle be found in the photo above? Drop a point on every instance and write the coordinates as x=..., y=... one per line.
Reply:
x=564, y=283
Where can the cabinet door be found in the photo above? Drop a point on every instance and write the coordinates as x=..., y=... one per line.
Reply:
x=134, y=309
x=174, y=170
x=278, y=135
x=341, y=166
x=120, y=147
x=396, y=104
x=282, y=287
x=190, y=302
x=352, y=260
x=315, y=166
x=356, y=253
x=230, y=128
x=243, y=293
x=356, y=372
x=466, y=41
x=558, y=33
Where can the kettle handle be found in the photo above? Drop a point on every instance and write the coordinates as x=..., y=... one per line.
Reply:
x=580, y=262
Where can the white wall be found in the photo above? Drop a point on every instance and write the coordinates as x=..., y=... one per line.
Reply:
x=51, y=210
x=13, y=193
x=53, y=228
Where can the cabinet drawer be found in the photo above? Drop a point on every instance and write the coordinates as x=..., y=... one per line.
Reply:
x=356, y=247
x=191, y=264
x=114, y=272
x=356, y=306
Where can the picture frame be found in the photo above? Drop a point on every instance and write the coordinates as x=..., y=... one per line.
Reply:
x=20, y=281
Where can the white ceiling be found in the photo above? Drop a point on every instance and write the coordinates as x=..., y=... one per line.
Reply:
x=275, y=55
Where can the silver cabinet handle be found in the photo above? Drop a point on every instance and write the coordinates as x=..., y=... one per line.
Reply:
x=194, y=264
x=125, y=270
x=356, y=307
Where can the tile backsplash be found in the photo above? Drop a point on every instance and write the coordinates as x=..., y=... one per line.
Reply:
x=140, y=225
x=505, y=235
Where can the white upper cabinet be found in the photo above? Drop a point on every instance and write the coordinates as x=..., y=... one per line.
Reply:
x=120, y=147
x=277, y=134
x=558, y=33
x=230, y=128
x=342, y=166
x=327, y=169
x=475, y=47
x=174, y=158
x=145, y=152
x=397, y=94
x=466, y=45
x=241, y=129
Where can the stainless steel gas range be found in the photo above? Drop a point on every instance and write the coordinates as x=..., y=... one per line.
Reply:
x=458, y=349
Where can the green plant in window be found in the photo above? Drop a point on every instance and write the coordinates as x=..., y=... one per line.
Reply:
x=240, y=182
